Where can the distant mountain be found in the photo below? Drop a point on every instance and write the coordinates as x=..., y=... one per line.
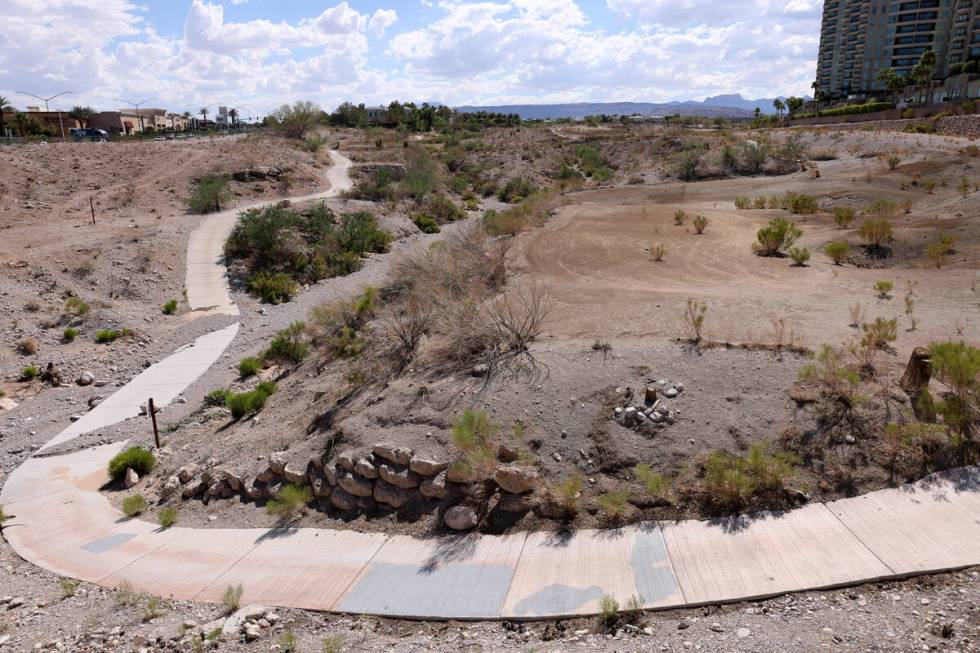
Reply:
x=729, y=106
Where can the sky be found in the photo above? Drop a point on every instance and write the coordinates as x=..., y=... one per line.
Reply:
x=258, y=54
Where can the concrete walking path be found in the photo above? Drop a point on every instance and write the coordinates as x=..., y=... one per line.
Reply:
x=65, y=525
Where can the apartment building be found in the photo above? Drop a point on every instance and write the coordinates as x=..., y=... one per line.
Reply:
x=860, y=37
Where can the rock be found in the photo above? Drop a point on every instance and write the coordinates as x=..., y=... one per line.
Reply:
x=232, y=478
x=517, y=479
x=273, y=489
x=294, y=474
x=186, y=473
x=435, y=488
x=742, y=633
x=850, y=439
x=717, y=628
x=86, y=378
x=360, y=487
x=460, y=472
x=398, y=476
x=277, y=462
x=670, y=393
x=255, y=490
x=75, y=417
x=95, y=400
x=460, y=518
x=397, y=455
x=171, y=485
x=265, y=476
x=15, y=602
x=517, y=502
x=319, y=484
x=480, y=370
x=132, y=478
x=193, y=488
x=391, y=495
x=330, y=472
x=345, y=461
x=365, y=467
x=427, y=466
x=507, y=453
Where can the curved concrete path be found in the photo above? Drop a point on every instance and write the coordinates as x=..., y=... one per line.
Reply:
x=65, y=525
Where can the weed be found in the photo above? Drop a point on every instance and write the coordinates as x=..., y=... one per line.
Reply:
x=289, y=501
x=929, y=185
x=76, y=306
x=893, y=162
x=4, y=517
x=760, y=203
x=152, y=609
x=615, y=505
x=27, y=346
x=657, y=252
x=69, y=334
x=273, y=287
x=170, y=307
x=137, y=459
x=288, y=346
x=567, y=494
x=777, y=236
x=245, y=403
x=656, y=485
x=107, y=336
x=803, y=204
x=882, y=288
x=333, y=644
x=730, y=481
x=217, y=397
x=249, y=366
x=134, y=505
x=880, y=333
x=700, y=223
x=743, y=202
x=680, y=217
x=167, y=516
x=209, y=195
x=232, y=597
x=128, y=595
x=515, y=190
x=800, y=255
x=29, y=372
x=68, y=587
x=843, y=216
x=287, y=642
x=909, y=308
x=837, y=251
x=426, y=224
x=608, y=612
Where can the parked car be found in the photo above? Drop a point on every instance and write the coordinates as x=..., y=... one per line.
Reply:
x=91, y=134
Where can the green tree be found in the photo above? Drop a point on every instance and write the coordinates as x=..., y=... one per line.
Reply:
x=298, y=118
x=794, y=104
x=204, y=113
x=4, y=106
x=892, y=80
x=923, y=71
x=81, y=114
x=778, y=105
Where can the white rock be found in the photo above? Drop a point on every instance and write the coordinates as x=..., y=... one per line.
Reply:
x=460, y=518
x=132, y=478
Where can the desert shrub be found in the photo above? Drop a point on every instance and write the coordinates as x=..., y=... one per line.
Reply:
x=209, y=194
x=777, y=236
x=376, y=188
x=134, y=505
x=249, y=366
x=882, y=288
x=473, y=434
x=232, y=597
x=568, y=493
x=128, y=595
x=515, y=190
x=76, y=306
x=920, y=127
x=167, y=516
x=107, y=336
x=957, y=366
x=421, y=174
x=893, y=161
x=333, y=644
x=655, y=484
x=313, y=143
x=937, y=253
x=288, y=346
x=170, y=307
x=760, y=203
x=27, y=346
x=800, y=255
x=442, y=209
x=743, y=202
x=217, y=397
x=837, y=251
x=69, y=334
x=287, y=642
x=684, y=165
x=694, y=318
x=425, y=224
x=4, y=517
x=289, y=500
x=880, y=333
x=680, y=217
x=68, y=587
x=843, y=216
x=275, y=288
x=658, y=252
x=137, y=459
x=803, y=204
x=615, y=505
x=245, y=403
x=875, y=233
x=29, y=372
x=700, y=223
x=882, y=208
x=929, y=185
x=731, y=481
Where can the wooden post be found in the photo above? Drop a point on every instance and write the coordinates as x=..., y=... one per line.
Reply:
x=917, y=372
x=91, y=206
x=153, y=418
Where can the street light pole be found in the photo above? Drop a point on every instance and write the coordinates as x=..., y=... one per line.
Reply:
x=46, y=110
x=137, y=105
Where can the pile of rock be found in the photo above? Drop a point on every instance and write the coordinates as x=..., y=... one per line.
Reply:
x=259, y=173
x=653, y=412
x=385, y=476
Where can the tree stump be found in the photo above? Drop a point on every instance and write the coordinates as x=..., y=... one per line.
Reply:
x=917, y=373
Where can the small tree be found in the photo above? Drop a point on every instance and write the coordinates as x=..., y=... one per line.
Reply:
x=777, y=236
x=837, y=251
x=957, y=365
x=800, y=255
x=875, y=233
x=296, y=119
x=843, y=216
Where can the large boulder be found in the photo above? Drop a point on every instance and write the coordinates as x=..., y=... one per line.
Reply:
x=294, y=474
x=345, y=461
x=360, y=487
x=342, y=499
x=435, y=487
x=517, y=479
x=398, y=475
x=426, y=466
x=365, y=467
x=517, y=502
x=232, y=477
x=131, y=479
x=460, y=518
x=319, y=484
x=277, y=462
x=393, y=454
x=86, y=378
x=390, y=495
x=169, y=487
x=193, y=488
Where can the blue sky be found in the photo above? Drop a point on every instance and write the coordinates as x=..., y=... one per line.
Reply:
x=262, y=53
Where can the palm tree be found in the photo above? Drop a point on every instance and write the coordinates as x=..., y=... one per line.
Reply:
x=4, y=106
x=233, y=116
x=204, y=112
x=82, y=114
x=778, y=105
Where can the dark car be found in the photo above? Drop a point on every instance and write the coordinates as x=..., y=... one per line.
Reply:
x=91, y=134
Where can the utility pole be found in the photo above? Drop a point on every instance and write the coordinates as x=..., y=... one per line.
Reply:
x=137, y=105
x=46, y=110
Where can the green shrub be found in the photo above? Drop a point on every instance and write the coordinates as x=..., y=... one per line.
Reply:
x=843, y=216
x=209, y=195
x=882, y=288
x=170, y=307
x=425, y=224
x=875, y=233
x=167, y=516
x=217, y=397
x=232, y=597
x=289, y=500
x=515, y=190
x=957, y=366
x=567, y=493
x=442, y=209
x=777, y=236
x=137, y=459
x=29, y=373
x=288, y=346
x=249, y=366
x=4, y=517
x=760, y=203
x=107, y=336
x=69, y=334
x=68, y=587
x=837, y=251
x=287, y=642
x=245, y=403
x=800, y=255
x=134, y=505
x=333, y=644
x=313, y=143
x=684, y=165
x=615, y=505
x=656, y=485
x=851, y=109
x=937, y=253
x=679, y=217
x=893, y=161
x=803, y=204
x=700, y=223
x=882, y=208
x=76, y=306
x=274, y=287
x=730, y=481
x=880, y=333
x=421, y=174
x=473, y=434
x=743, y=202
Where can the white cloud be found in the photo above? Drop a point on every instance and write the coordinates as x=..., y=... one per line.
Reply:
x=381, y=20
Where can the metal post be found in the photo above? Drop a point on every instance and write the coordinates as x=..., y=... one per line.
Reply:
x=153, y=418
x=91, y=206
